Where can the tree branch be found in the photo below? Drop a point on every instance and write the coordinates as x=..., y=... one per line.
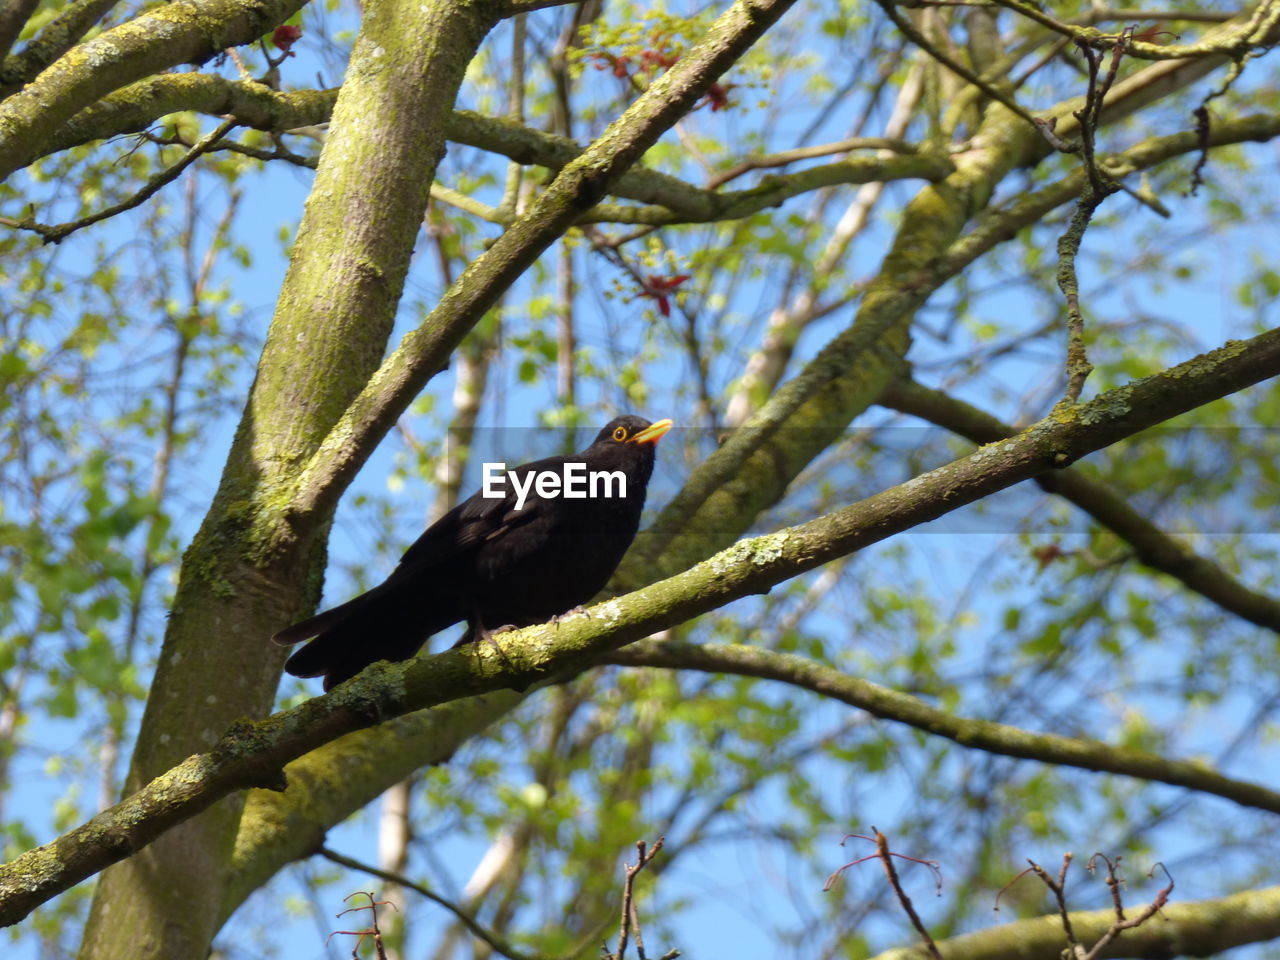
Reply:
x=752, y=468
x=992, y=90
x=786, y=157
x=773, y=191
x=255, y=753
x=1201, y=928
x=331, y=783
x=162, y=37
x=670, y=199
x=13, y=17
x=1234, y=38
x=976, y=734
x=1151, y=545
x=59, y=232
x=55, y=39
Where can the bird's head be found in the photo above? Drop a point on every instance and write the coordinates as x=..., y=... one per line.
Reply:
x=633, y=430
x=628, y=443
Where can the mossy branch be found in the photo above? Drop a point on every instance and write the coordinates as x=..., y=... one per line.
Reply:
x=1201, y=928
x=977, y=734
x=331, y=783
x=1231, y=39
x=255, y=754
x=161, y=38
x=669, y=199
x=55, y=39
x=773, y=191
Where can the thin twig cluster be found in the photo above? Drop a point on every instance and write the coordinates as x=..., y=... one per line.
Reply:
x=372, y=931
x=885, y=856
x=1057, y=886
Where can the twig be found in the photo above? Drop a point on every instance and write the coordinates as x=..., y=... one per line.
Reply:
x=371, y=931
x=1121, y=924
x=809, y=153
x=480, y=933
x=885, y=856
x=630, y=919
x=235, y=146
x=1097, y=188
x=58, y=233
x=1059, y=889
x=1203, y=124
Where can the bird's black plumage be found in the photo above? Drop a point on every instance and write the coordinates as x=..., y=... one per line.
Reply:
x=491, y=564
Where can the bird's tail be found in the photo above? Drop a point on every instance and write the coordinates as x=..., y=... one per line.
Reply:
x=390, y=622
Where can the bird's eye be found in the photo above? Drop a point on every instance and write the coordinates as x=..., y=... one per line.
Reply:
x=620, y=434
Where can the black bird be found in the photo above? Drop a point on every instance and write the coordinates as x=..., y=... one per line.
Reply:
x=492, y=561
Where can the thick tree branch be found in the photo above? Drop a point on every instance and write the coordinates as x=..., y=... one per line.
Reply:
x=50, y=43
x=248, y=571
x=255, y=753
x=163, y=37
x=424, y=351
x=1201, y=928
x=986, y=735
x=1151, y=545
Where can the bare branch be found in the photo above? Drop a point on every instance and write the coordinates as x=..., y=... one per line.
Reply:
x=885, y=856
x=977, y=734
x=630, y=920
x=58, y=233
x=1151, y=545
x=490, y=938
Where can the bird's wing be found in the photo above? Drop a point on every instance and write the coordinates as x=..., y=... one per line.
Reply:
x=477, y=520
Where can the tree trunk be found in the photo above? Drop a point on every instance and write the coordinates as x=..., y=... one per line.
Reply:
x=250, y=570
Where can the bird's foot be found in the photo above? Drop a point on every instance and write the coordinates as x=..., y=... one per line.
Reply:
x=579, y=609
x=479, y=633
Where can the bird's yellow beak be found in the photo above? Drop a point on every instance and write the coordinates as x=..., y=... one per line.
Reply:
x=653, y=433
